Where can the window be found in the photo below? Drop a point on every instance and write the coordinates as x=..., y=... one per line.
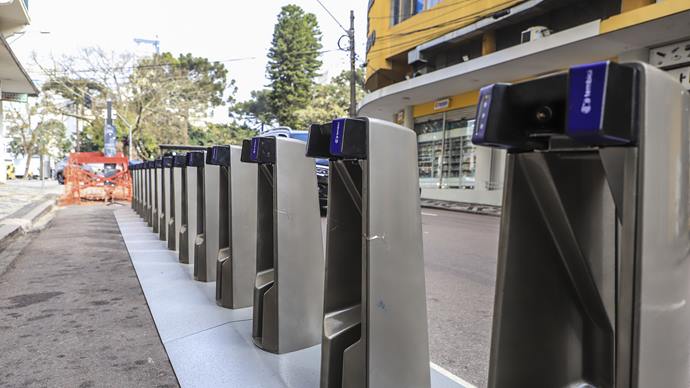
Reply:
x=446, y=155
x=403, y=9
x=431, y=3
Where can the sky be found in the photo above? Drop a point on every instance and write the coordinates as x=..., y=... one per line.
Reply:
x=221, y=30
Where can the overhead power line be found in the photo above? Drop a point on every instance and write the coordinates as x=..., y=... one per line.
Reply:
x=162, y=65
x=331, y=15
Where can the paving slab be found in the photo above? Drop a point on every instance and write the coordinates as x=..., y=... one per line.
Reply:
x=210, y=346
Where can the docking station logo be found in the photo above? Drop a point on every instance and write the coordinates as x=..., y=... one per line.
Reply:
x=586, y=106
x=338, y=132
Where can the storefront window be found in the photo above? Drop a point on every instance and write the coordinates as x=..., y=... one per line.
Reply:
x=446, y=154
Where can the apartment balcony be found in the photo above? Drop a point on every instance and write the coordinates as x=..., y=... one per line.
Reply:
x=14, y=16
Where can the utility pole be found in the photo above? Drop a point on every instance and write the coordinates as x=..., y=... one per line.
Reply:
x=353, y=72
x=79, y=112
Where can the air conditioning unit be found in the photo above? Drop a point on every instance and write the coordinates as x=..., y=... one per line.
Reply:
x=534, y=33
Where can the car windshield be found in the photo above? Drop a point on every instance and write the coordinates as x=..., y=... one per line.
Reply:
x=300, y=136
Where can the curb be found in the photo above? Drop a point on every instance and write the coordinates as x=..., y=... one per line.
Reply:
x=471, y=208
x=22, y=220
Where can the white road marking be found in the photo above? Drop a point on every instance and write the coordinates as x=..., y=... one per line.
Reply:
x=451, y=376
x=429, y=214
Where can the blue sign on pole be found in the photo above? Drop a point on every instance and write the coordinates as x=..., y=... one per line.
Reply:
x=109, y=140
x=110, y=133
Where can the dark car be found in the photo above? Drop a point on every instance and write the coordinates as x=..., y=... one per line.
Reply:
x=321, y=164
x=60, y=170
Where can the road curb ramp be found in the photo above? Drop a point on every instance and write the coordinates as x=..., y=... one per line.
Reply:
x=23, y=219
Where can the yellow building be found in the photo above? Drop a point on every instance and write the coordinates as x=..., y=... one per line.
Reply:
x=427, y=59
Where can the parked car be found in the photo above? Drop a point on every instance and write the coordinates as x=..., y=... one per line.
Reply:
x=321, y=164
x=60, y=170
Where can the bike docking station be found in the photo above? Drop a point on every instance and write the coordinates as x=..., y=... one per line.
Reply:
x=140, y=189
x=179, y=164
x=206, y=243
x=374, y=321
x=169, y=189
x=157, y=195
x=593, y=266
x=148, y=192
x=273, y=230
x=135, y=188
x=148, y=188
x=163, y=188
x=192, y=207
x=288, y=291
x=200, y=272
x=236, y=255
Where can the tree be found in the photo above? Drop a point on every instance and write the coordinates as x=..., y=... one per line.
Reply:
x=219, y=134
x=255, y=112
x=47, y=137
x=158, y=97
x=293, y=62
x=330, y=100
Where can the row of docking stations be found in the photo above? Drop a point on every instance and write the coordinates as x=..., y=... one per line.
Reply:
x=593, y=274
x=249, y=219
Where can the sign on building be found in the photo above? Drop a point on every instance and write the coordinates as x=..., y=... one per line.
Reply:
x=15, y=97
x=675, y=59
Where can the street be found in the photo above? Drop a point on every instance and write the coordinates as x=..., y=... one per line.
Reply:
x=460, y=258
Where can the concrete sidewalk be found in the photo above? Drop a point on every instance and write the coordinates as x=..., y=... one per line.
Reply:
x=72, y=313
x=15, y=194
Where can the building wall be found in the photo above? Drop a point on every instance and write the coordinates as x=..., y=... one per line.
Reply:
x=386, y=59
x=387, y=63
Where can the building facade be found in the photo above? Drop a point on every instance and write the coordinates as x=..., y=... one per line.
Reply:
x=427, y=60
x=15, y=83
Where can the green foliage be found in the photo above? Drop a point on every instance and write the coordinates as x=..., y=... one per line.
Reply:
x=44, y=137
x=158, y=97
x=293, y=63
x=74, y=90
x=212, y=77
x=330, y=101
x=169, y=92
x=219, y=134
x=255, y=112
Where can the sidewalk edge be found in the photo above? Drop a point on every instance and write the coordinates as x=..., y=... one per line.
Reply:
x=10, y=230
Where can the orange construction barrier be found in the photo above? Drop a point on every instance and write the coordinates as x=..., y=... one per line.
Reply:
x=82, y=184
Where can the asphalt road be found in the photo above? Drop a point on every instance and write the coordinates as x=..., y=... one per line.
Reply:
x=460, y=259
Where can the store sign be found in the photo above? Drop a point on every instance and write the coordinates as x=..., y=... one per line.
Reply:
x=400, y=117
x=442, y=104
x=682, y=75
x=671, y=55
x=15, y=97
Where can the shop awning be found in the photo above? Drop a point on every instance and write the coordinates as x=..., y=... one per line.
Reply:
x=13, y=77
